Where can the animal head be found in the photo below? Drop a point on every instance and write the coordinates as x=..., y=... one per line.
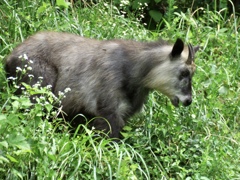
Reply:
x=173, y=75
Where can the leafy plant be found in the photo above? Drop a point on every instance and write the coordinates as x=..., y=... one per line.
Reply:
x=162, y=142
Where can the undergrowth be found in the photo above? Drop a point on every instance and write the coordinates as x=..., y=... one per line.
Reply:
x=162, y=142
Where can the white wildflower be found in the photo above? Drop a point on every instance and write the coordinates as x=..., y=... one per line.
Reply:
x=11, y=78
x=36, y=85
x=49, y=86
x=60, y=93
x=42, y=97
x=30, y=75
x=124, y=2
x=67, y=90
x=19, y=69
x=25, y=57
x=29, y=68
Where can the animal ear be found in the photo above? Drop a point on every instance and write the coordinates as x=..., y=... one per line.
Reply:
x=177, y=48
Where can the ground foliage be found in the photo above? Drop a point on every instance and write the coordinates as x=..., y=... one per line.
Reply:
x=198, y=142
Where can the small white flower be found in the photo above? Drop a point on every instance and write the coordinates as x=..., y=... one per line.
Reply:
x=11, y=78
x=31, y=61
x=49, y=86
x=36, y=85
x=40, y=77
x=31, y=75
x=41, y=97
x=20, y=57
x=67, y=90
x=60, y=93
x=19, y=69
x=25, y=57
x=29, y=68
x=54, y=97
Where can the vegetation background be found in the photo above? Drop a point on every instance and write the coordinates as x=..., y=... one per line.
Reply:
x=162, y=142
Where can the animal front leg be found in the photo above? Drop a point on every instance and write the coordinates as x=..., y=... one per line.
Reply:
x=112, y=107
x=110, y=125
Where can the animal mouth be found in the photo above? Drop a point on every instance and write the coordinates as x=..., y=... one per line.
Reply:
x=175, y=101
x=186, y=102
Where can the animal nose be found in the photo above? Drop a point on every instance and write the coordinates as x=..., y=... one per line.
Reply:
x=187, y=102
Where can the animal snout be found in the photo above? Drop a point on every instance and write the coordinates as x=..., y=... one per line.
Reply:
x=187, y=101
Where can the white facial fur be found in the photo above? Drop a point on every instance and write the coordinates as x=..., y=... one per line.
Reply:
x=165, y=77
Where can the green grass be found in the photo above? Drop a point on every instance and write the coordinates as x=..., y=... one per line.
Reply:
x=162, y=142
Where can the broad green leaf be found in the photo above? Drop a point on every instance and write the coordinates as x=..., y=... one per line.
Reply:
x=15, y=104
x=26, y=102
x=2, y=117
x=19, y=141
x=3, y=160
x=127, y=128
x=42, y=8
x=63, y=3
x=13, y=119
x=11, y=158
x=24, y=145
x=48, y=107
x=4, y=144
x=156, y=15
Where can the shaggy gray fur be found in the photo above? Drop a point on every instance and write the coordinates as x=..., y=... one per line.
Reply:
x=109, y=79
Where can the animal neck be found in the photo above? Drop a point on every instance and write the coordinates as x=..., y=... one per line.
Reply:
x=147, y=60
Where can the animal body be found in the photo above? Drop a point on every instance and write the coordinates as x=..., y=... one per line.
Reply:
x=109, y=79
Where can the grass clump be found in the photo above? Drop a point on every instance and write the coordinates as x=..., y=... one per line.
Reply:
x=197, y=142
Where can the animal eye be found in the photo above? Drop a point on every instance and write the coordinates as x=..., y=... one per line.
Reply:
x=184, y=74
